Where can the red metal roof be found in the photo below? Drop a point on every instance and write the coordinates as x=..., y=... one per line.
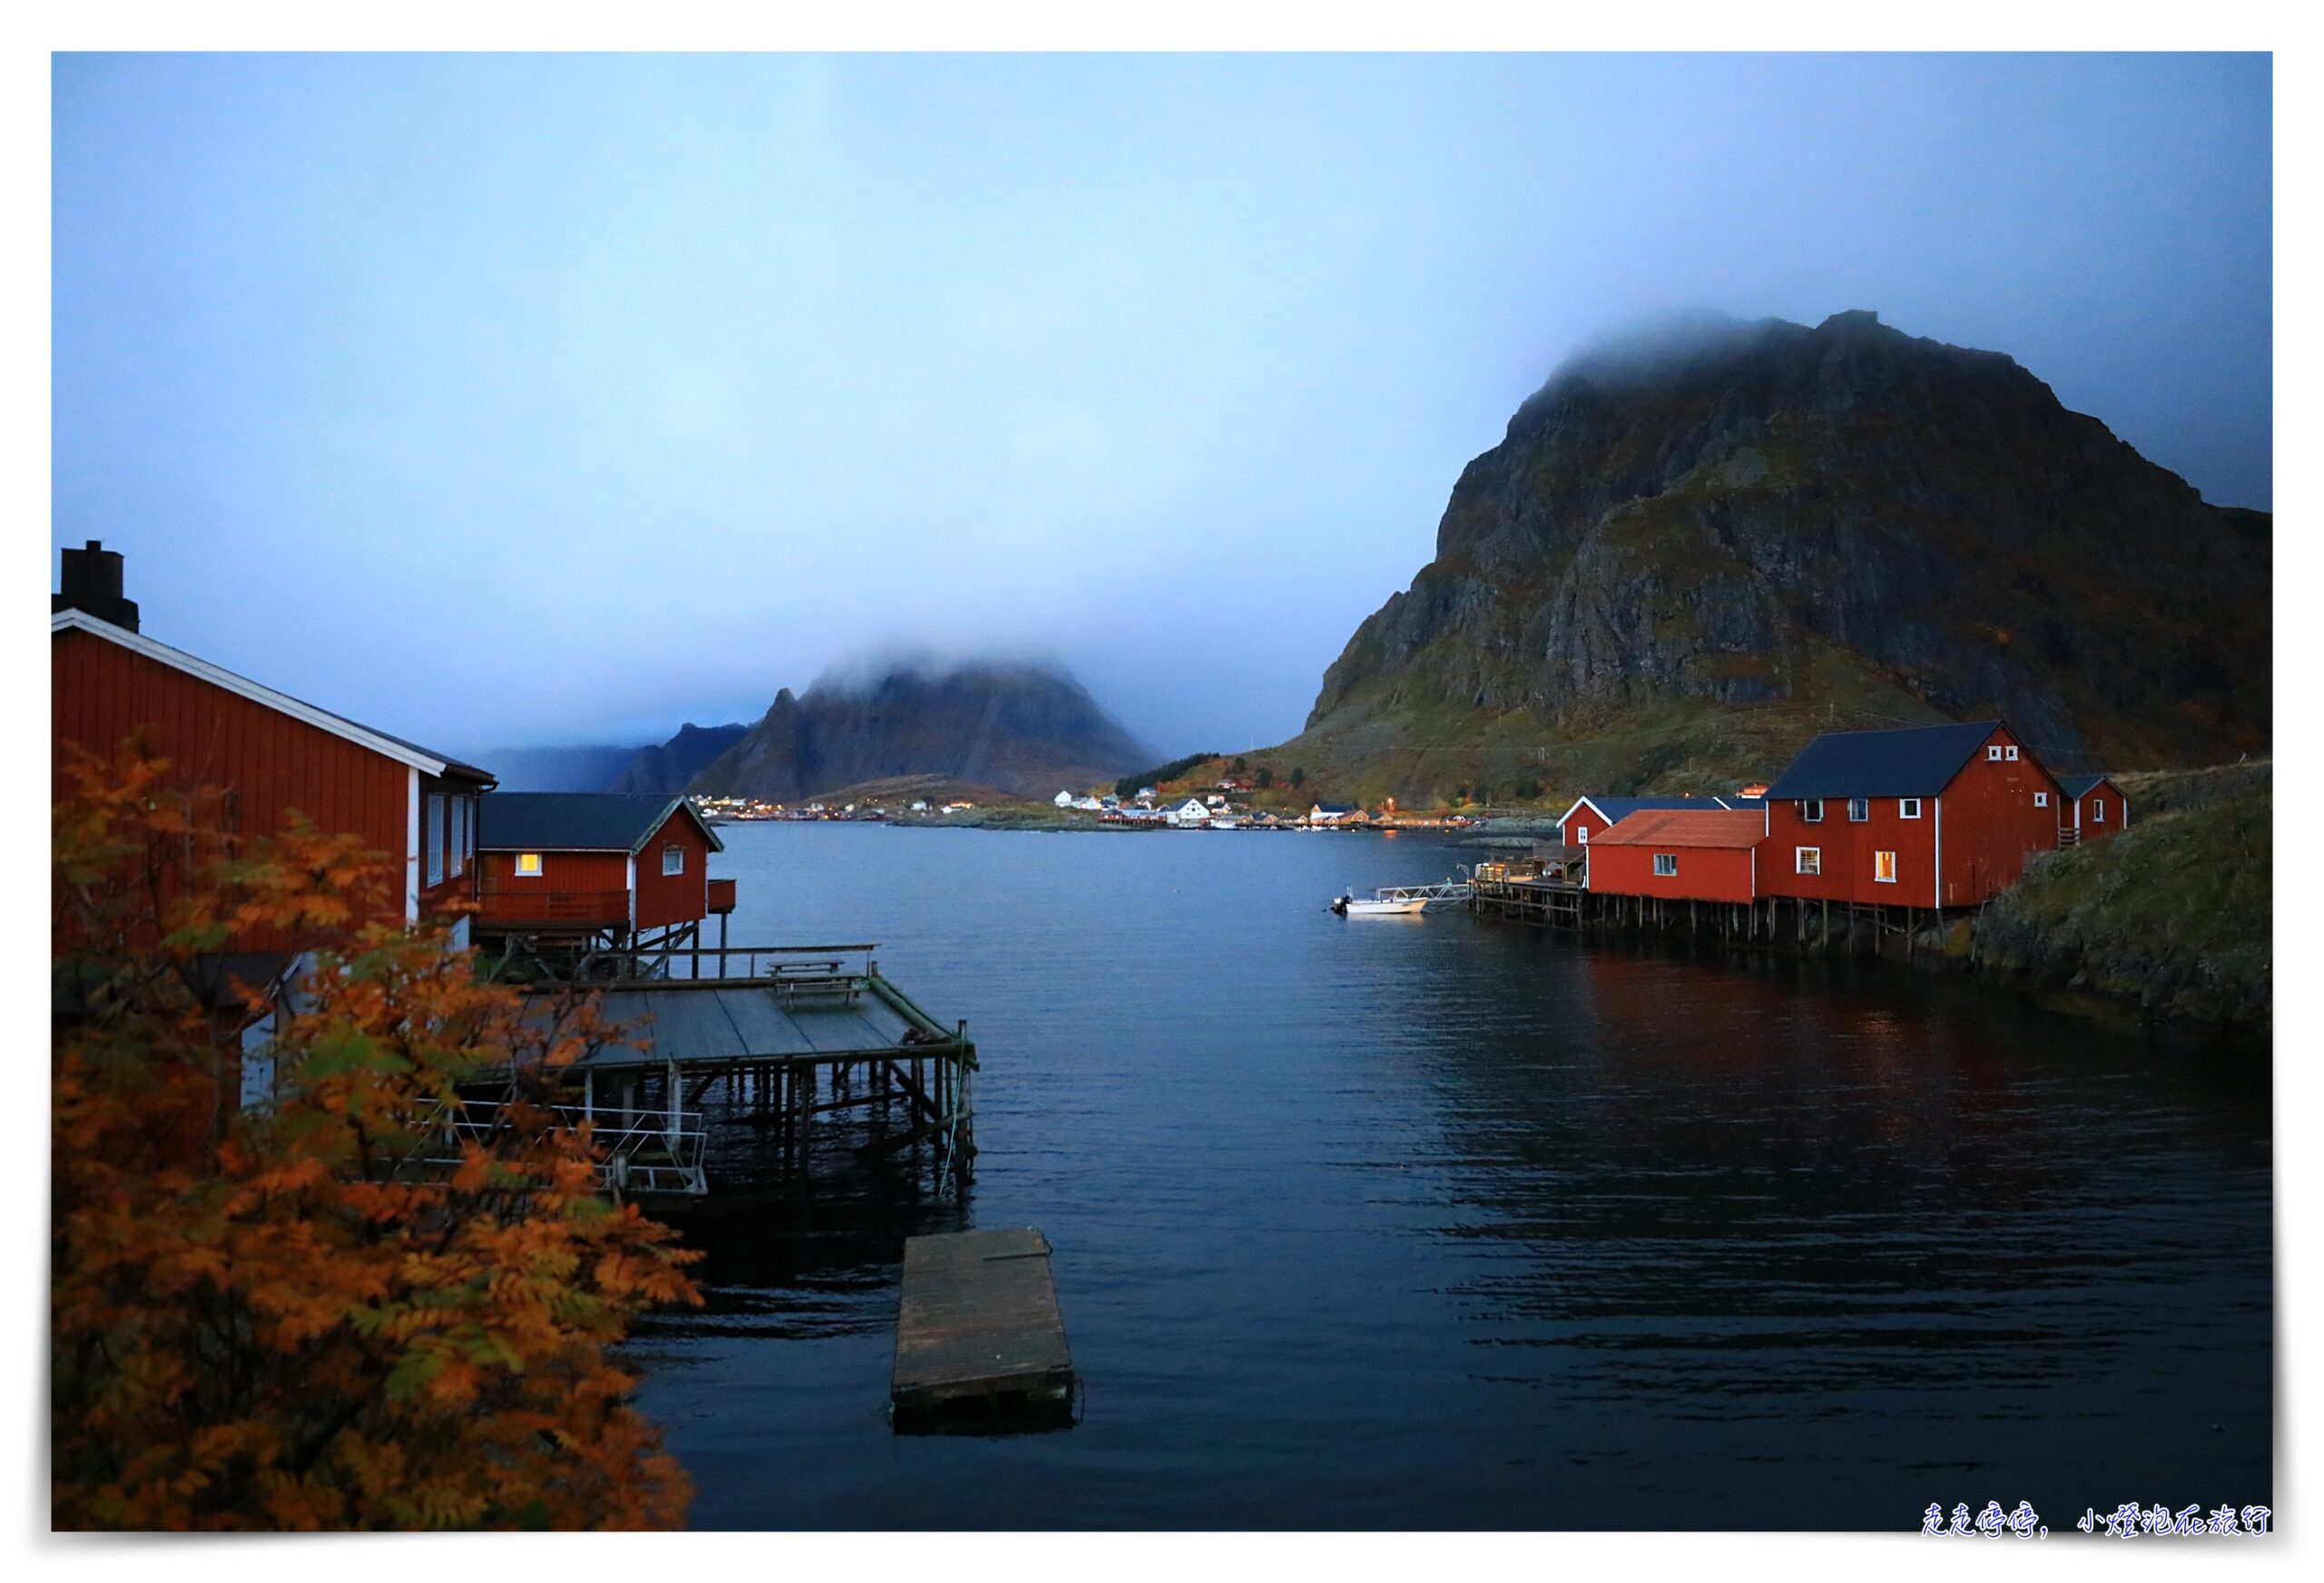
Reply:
x=1706, y=828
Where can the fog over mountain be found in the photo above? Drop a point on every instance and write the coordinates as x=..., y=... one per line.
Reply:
x=620, y=385
x=1024, y=728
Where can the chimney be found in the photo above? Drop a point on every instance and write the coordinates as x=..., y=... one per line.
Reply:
x=92, y=584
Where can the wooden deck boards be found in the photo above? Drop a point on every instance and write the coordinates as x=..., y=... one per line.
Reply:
x=979, y=1339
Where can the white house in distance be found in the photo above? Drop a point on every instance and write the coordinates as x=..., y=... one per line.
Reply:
x=1063, y=800
x=1190, y=814
x=1332, y=813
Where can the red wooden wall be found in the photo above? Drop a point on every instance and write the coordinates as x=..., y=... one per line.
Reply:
x=2118, y=811
x=1991, y=823
x=682, y=898
x=100, y=693
x=1847, y=849
x=1705, y=873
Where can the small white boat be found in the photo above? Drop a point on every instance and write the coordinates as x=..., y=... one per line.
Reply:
x=1354, y=906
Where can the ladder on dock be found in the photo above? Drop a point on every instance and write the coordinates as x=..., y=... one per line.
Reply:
x=980, y=1343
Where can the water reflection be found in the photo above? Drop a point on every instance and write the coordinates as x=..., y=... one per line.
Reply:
x=1375, y=1226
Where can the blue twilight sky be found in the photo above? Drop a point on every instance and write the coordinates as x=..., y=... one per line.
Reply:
x=525, y=401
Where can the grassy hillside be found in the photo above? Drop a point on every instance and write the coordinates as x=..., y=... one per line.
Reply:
x=2170, y=917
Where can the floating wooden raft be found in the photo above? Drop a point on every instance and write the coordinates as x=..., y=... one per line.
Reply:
x=980, y=1343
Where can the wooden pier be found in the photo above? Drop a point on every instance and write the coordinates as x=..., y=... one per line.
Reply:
x=757, y=1066
x=1773, y=923
x=980, y=1343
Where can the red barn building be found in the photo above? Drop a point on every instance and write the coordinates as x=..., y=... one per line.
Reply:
x=1692, y=855
x=270, y=753
x=618, y=867
x=2095, y=807
x=1942, y=816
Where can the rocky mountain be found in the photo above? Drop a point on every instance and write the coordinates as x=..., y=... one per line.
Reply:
x=1695, y=548
x=671, y=765
x=1029, y=730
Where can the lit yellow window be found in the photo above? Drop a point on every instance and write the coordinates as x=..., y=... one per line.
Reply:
x=1884, y=867
x=529, y=865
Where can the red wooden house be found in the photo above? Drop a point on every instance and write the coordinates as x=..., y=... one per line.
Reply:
x=1696, y=854
x=271, y=753
x=2095, y=807
x=1942, y=816
x=612, y=866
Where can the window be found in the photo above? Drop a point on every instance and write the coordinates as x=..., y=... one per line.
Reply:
x=674, y=860
x=1581, y=835
x=1808, y=859
x=2098, y=811
x=1811, y=811
x=432, y=837
x=461, y=808
x=1859, y=810
x=2040, y=799
x=1884, y=867
x=1908, y=807
x=1994, y=753
x=2009, y=753
x=1666, y=864
x=529, y=865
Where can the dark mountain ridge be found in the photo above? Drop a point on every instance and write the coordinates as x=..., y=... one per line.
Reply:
x=1693, y=550
x=671, y=765
x=1029, y=730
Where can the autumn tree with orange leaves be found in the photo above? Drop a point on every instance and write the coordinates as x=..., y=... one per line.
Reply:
x=333, y=1310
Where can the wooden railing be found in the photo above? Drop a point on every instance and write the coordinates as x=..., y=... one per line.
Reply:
x=520, y=904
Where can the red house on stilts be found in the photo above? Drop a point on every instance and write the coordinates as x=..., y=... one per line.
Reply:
x=1695, y=855
x=596, y=870
x=1943, y=816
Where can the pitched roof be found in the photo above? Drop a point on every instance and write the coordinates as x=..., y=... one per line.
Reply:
x=1916, y=762
x=1614, y=810
x=577, y=822
x=1701, y=827
x=2077, y=787
x=427, y=760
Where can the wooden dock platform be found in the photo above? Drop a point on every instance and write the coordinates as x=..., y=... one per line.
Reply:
x=980, y=1343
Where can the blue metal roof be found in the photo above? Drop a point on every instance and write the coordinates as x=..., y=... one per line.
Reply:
x=2077, y=787
x=1916, y=762
x=576, y=821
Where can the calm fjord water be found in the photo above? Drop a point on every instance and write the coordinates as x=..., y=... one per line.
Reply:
x=1388, y=1223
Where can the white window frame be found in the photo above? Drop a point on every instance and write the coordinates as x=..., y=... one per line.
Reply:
x=1811, y=811
x=1993, y=751
x=1908, y=807
x=2009, y=753
x=1807, y=861
x=461, y=808
x=673, y=850
x=2040, y=799
x=1859, y=810
x=431, y=837
x=1666, y=865
x=1581, y=835
x=521, y=871
x=2098, y=811
x=1878, y=876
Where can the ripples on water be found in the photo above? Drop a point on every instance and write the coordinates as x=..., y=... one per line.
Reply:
x=1393, y=1223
